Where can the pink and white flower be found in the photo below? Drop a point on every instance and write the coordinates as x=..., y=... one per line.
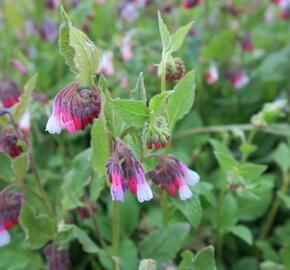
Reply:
x=4, y=236
x=212, y=75
x=73, y=110
x=106, y=65
x=237, y=77
x=9, y=93
x=24, y=123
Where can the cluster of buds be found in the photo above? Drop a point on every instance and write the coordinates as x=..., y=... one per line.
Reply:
x=247, y=43
x=73, y=110
x=123, y=166
x=57, y=257
x=156, y=133
x=191, y=3
x=233, y=10
x=10, y=206
x=212, y=75
x=237, y=77
x=172, y=174
x=175, y=70
x=9, y=94
x=9, y=144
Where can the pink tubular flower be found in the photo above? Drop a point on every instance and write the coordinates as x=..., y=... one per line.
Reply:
x=19, y=66
x=73, y=110
x=172, y=174
x=10, y=205
x=238, y=78
x=131, y=170
x=24, y=123
x=106, y=65
x=212, y=75
x=9, y=93
x=191, y=3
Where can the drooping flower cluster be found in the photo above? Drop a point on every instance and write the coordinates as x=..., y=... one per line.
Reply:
x=175, y=70
x=9, y=144
x=247, y=43
x=172, y=174
x=10, y=206
x=73, y=110
x=284, y=8
x=57, y=258
x=9, y=94
x=156, y=133
x=123, y=166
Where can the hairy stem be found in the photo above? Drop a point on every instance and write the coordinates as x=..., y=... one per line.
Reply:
x=116, y=228
x=275, y=206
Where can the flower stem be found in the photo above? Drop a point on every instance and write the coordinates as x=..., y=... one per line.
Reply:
x=116, y=228
x=165, y=207
x=249, y=141
x=275, y=206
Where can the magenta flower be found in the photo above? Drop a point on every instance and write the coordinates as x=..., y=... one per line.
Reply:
x=237, y=77
x=123, y=165
x=9, y=144
x=10, y=205
x=73, y=110
x=173, y=175
x=191, y=3
x=9, y=93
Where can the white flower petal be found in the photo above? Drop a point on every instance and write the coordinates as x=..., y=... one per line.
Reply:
x=144, y=192
x=4, y=237
x=53, y=125
x=192, y=178
x=184, y=193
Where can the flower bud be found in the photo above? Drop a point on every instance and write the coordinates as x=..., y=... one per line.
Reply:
x=175, y=70
x=9, y=93
x=156, y=133
x=9, y=144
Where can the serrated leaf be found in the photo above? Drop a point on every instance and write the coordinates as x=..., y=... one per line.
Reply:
x=163, y=244
x=164, y=33
x=191, y=209
x=20, y=108
x=181, y=100
x=100, y=148
x=132, y=112
x=204, y=260
x=178, y=37
x=6, y=172
x=157, y=103
x=242, y=232
x=86, y=56
x=20, y=167
x=139, y=92
x=39, y=229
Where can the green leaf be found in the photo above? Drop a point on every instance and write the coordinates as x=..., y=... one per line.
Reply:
x=163, y=244
x=268, y=265
x=229, y=212
x=242, y=232
x=97, y=185
x=226, y=162
x=178, y=37
x=285, y=256
x=282, y=157
x=39, y=229
x=63, y=42
x=139, y=92
x=76, y=180
x=100, y=149
x=251, y=171
x=6, y=172
x=187, y=260
x=181, y=100
x=20, y=167
x=221, y=47
x=164, y=33
x=128, y=255
x=87, y=244
x=132, y=112
x=20, y=108
x=204, y=259
x=147, y=264
x=107, y=111
x=157, y=103
x=191, y=209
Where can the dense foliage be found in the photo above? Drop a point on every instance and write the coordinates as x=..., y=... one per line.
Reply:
x=170, y=134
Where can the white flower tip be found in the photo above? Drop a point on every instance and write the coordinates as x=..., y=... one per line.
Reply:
x=192, y=178
x=144, y=192
x=117, y=194
x=184, y=193
x=53, y=125
x=4, y=238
